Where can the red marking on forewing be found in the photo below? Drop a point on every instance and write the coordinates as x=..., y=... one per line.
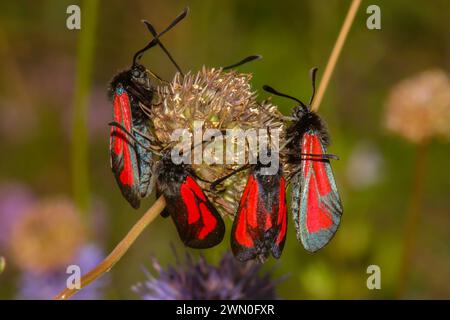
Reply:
x=195, y=188
x=317, y=216
x=241, y=234
x=209, y=221
x=247, y=213
x=323, y=183
x=116, y=139
x=188, y=197
x=195, y=202
x=252, y=202
x=127, y=174
x=282, y=221
x=122, y=114
x=126, y=110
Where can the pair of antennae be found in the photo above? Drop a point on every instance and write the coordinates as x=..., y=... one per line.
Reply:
x=313, y=74
x=138, y=55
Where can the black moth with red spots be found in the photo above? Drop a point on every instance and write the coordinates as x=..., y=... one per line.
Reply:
x=260, y=225
x=198, y=223
x=130, y=152
x=315, y=202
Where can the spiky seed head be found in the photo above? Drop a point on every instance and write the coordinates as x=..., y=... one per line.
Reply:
x=222, y=100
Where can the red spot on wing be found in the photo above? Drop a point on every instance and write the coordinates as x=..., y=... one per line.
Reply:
x=196, y=204
x=241, y=235
x=209, y=221
x=252, y=202
x=282, y=212
x=315, y=176
x=317, y=216
x=120, y=145
x=315, y=147
x=116, y=140
x=246, y=216
x=189, y=200
x=195, y=188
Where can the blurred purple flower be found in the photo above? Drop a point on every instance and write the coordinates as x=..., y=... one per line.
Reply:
x=202, y=281
x=45, y=285
x=15, y=198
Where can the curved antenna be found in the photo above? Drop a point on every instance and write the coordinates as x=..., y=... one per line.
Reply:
x=137, y=56
x=156, y=38
x=244, y=61
x=215, y=183
x=313, y=74
x=275, y=92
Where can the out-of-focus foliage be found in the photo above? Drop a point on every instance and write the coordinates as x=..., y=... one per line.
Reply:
x=374, y=175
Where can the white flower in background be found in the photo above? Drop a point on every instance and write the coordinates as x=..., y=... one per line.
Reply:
x=364, y=165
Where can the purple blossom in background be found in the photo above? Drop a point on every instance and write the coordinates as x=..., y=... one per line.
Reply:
x=15, y=198
x=230, y=280
x=46, y=285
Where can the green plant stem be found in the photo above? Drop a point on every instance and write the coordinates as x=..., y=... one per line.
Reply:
x=412, y=218
x=2, y=264
x=85, y=57
x=118, y=251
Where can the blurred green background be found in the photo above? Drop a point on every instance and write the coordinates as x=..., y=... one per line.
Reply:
x=38, y=77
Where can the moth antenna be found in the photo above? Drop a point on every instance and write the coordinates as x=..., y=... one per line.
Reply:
x=138, y=55
x=232, y=173
x=155, y=34
x=313, y=74
x=244, y=61
x=277, y=93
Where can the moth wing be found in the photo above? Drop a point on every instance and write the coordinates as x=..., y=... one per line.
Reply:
x=122, y=151
x=316, y=207
x=197, y=220
x=245, y=233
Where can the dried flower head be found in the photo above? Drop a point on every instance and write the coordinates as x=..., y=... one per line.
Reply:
x=221, y=100
x=230, y=280
x=418, y=108
x=47, y=236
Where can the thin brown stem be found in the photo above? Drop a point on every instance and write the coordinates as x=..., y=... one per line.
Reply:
x=331, y=64
x=118, y=251
x=412, y=218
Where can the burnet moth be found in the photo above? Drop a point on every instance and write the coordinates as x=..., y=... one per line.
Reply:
x=315, y=202
x=260, y=225
x=198, y=222
x=132, y=92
